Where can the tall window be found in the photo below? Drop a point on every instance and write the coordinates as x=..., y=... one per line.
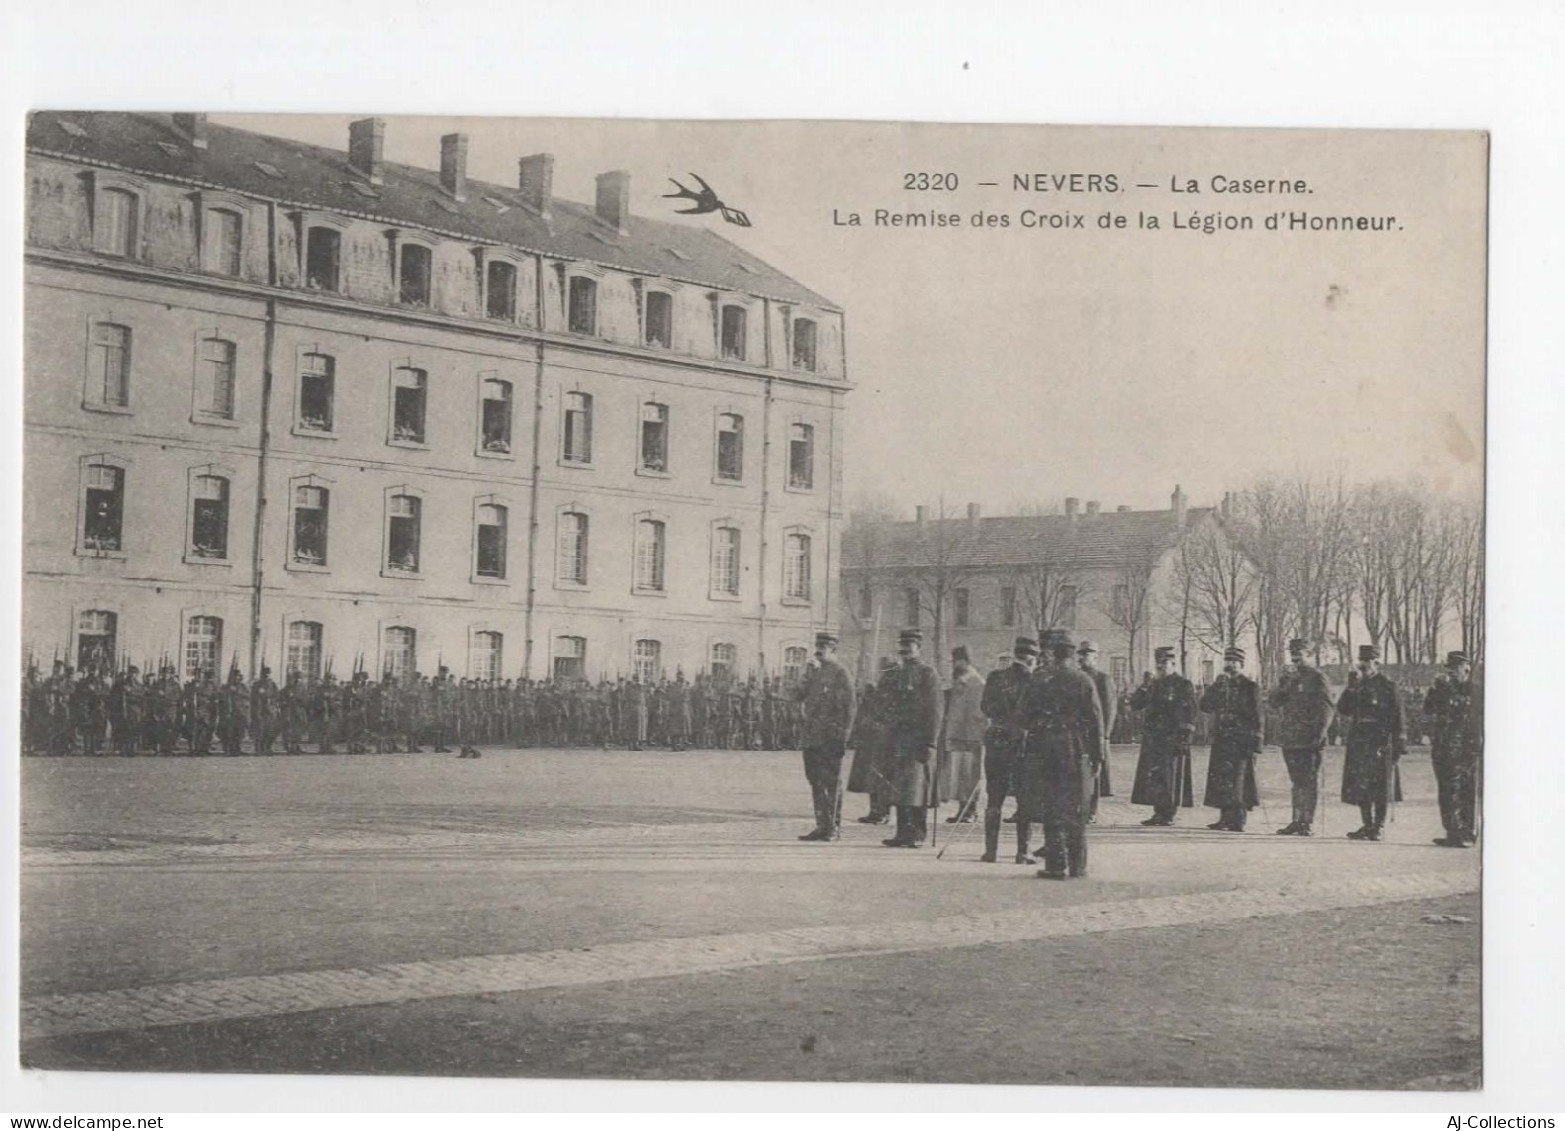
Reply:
x=730, y=446
x=654, y=437
x=573, y=547
x=399, y=651
x=910, y=607
x=114, y=225
x=650, y=534
x=796, y=566
x=804, y=344
x=659, y=317
x=495, y=411
x=1008, y=605
x=725, y=662
x=109, y=382
x=570, y=657
x=732, y=332
x=801, y=456
x=310, y=507
x=408, y=398
x=304, y=649
x=402, y=539
x=317, y=387
x=203, y=646
x=491, y=540
x=322, y=257
x=413, y=274
x=648, y=660
x=961, y=607
x=583, y=305
x=725, y=560
x=209, y=517
x=220, y=236
x=487, y=660
x=794, y=660
x=577, y=447
x=1067, y=606
x=103, y=506
x=97, y=636
x=216, y=392
x=500, y=290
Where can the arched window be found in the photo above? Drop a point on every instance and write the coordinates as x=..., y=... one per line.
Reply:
x=97, y=640
x=317, y=389
x=570, y=657
x=576, y=443
x=399, y=652
x=725, y=560
x=311, y=507
x=203, y=646
x=804, y=344
x=409, y=396
x=654, y=436
x=209, y=517
x=500, y=290
x=796, y=566
x=583, y=305
x=650, y=548
x=495, y=415
x=648, y=660
x=413, y=275
x=725, y=662
x=103, y=507
x=403, y=536
x=573, y=547
x=487, y=657
x=794, y=660
x=730, y=446
x=109, y=381
x=215, y=391
x=491, y=540
x=304, y=649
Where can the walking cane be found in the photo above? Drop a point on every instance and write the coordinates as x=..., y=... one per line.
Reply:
x=972, y=799
x=1320, y=789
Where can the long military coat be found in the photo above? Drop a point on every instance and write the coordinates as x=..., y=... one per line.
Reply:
x=912, y=713
x=1371, y=707
x=870, y=772
x=1303, y=709
x=827, y=695
x=962, y=736
x=1234, y=702
x=1168, y=711
x=1059, y=711
x=1455, y=716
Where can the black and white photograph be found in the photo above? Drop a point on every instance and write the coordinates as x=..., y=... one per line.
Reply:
x=620, y=602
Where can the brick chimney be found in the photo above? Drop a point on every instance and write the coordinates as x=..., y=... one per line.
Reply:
x=1122, y=509
x=1072, y=506
x=1092, y=506
x=614, y=199
x=535, y=182
x=919, y=513
x=973, y=512
x=453, y=165
x=366, y=142
x=1178, y=502
x=193, y=126
x=1228, y=504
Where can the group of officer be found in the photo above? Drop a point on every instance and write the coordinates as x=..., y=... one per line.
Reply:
x=95, y=712
x=1046, y=743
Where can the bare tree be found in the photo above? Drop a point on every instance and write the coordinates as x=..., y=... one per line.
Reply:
x=1262, y=523
x=942, y=570
x=1215, y=583
x=1467, y=551
x=1048, y=585
x=864, y=541
x=1127, y=603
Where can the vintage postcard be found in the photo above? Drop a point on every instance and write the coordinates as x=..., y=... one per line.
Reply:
x=911, y=603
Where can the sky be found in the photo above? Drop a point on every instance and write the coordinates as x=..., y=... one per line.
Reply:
x=1018, y=365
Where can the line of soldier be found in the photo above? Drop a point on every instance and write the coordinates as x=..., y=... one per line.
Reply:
x=1046, y=743
x=94, y=712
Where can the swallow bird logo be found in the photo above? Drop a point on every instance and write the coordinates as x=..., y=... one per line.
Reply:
x=704, y=201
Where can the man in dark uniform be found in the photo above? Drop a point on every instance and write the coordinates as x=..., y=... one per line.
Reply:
x=1234, y=702
x=827, y=695
x=442, y=709
x=166, y=700
x=294, y=700
x=679, y=712
x=1303, y=712
x=1058, y=709
x=233, y=713
x=264, y=711
x=201, y=706
x=355, y=718
x=1454, y=708
x=1003, y=748
x=1086, y=656
x=912, y=725
x=1167, y=707
x=127, y=711
x=90, y=710
x=1371, y=706
x=325, y=704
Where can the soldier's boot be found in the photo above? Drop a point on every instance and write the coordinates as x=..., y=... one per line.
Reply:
x=1076, y=850
x=1023, y=841
x=1053, y=854
x=817, y=797
x=991, y=836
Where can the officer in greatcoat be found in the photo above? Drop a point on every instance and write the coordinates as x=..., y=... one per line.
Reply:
x=1454, y=708
x=127, y=711
x=1371, y=708
x=1003, y=747
x=264, y=711
x=233, y=712
x=1167, y=706
x=294, y=703
x=912, y=728
x=1058, y=709
x=1302, y=714
x=827, y=694
x=961, y=746
x=871, y=771
x=1234, y=702
x=1086, y=658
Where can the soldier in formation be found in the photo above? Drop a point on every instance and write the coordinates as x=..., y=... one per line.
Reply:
x=826, y=693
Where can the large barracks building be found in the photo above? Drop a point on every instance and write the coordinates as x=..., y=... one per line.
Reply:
x=303, y=406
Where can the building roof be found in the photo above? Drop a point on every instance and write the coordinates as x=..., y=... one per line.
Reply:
x=317, y=177
x=1107, y=540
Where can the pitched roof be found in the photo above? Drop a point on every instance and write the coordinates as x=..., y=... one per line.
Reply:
x=314, y=176
x=1107, y=540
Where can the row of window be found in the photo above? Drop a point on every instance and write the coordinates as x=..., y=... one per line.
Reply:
x=97, y=646
x=117, y=232
x=915, y=602
x=109, y=385
x=103, y=521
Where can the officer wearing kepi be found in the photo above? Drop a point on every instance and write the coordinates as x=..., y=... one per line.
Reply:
x=1234, y=702
x=1372, y=708
x=1455, y=710
x=1304, y=709
x=827, y=695
x=1003, y=748
x=1168, y=711
x=912, y=706
x=1086, y=657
